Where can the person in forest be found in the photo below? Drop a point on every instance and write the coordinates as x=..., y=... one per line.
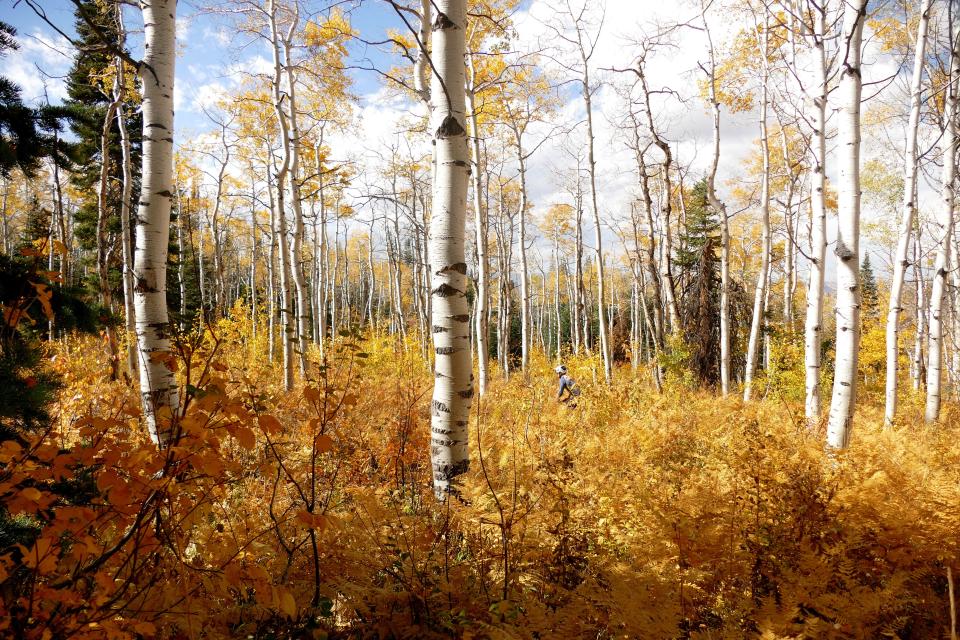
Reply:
x=567, y=385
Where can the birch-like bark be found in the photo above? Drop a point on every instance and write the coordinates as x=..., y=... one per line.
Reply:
x=282, y=172
x=943, y=230
x=524, y=267
x=453, y=383
x=917, y=360
x=598, y=235
x=481, y=316
x=103, y=266
x=843, y=402
x=667, y=286
x=320, y=288
x=817, y=105
x=900, y=262
x=297, y=263
x=760, y=292
x=126, y=239
x=157, y=385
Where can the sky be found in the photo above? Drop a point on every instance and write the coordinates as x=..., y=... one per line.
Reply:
x=213, y=59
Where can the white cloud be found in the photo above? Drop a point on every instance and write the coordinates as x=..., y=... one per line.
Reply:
x=40, y=63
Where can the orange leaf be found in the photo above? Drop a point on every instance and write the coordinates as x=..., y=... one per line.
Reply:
x=311, y=520
x=246, y=437
x=324, y=443
x=30, y=493
x=269, y=424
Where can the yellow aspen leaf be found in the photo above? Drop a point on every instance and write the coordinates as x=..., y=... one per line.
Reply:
x=287, y=603
x=257, y=572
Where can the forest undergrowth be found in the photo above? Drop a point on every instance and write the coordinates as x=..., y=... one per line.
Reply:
x=310, y=514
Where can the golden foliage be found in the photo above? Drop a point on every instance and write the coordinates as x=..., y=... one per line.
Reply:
x=309, y=514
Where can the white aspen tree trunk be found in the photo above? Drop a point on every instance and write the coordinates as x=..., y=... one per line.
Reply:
x=126, y=239
x=788, y=252
x=421, y=68
x=271, y=270
x=181, y=258
x=843, y=402
x=766, y=314
x=943, y=229
x=253, y=274
x=103, y=266
x=917, y=360
x=280, y=218
x=453, y=383
x=598, y=235
x=760, y=292
x=372, y=274
x=813, y=321
x=481, y=315
x=103, y=249
x=320, y=286
x=315, y=273
x=667, y=287
x=524, y=267
x=900, y=262
x=721, y=210
x=556, y=293
x=297, y=261
x=201, y=266
x=286, y=295
x=158, y=388
x=579, y=306
x=218, y=270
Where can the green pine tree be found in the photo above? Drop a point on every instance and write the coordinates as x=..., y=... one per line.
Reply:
x=698, y=266
x=21, y=143
x=88, y=99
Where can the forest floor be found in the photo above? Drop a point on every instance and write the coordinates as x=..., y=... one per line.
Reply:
x=638, y=514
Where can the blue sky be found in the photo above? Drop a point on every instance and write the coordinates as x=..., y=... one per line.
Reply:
x=210, y=51
x=212, y=59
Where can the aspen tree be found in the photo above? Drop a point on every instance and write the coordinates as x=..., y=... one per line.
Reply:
x=453, y=384
x=126, y=241
x=760, y=292
x=585, y=47
x=814, y=34
x=280, y=229
x=481, y=317
x=900, y=262
x=157, y=385
x=843, y=402
x=943, y=230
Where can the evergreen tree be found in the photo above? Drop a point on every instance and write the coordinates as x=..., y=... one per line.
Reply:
x=88, y=88
x=698, y=267
x=20, y=141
